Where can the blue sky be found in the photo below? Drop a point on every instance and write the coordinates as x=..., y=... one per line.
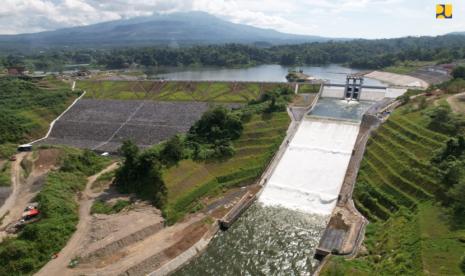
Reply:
x=331, y=18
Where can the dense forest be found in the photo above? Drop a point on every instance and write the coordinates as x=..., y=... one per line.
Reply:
x=356, y=53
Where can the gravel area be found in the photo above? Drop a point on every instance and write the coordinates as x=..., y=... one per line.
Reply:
x=430, y=77
x=104, y=124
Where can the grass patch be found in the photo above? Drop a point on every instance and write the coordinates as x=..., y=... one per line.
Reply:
x=26, y=108
x=103, y=179
x=7, y=150
x=27, y=165
x=173, y=91
x=191, y=180
x=309, y=88
x=102, y=207
x=5, y=174
x=407, y=66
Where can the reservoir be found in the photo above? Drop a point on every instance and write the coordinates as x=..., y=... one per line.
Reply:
x=332, y=73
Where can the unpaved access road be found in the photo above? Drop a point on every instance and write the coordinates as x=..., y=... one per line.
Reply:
x=24, y=190
x=15, y=182
x=59, y=265
x=457, y=102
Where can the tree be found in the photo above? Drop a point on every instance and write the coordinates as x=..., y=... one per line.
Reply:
x=129, y=151
x=216, y=124
x=456, y=86
x=442, y=119
x=288, y=59
x=172, y=151
x=459, y=72
x=141, y=174
x=457, y=195
x=404, y=99
x=12, y=60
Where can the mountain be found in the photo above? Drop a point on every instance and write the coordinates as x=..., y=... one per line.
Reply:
x=456, y=33
x=169, y=29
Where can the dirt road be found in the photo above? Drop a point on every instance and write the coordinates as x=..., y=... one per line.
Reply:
x=457, y=102
x=15, y=182
x=24, y=190
x=140, y=251
x=14, y=205
x=59, y=266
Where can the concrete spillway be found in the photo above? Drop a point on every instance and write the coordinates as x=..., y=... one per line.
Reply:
x=310, y=174
x=279, y=234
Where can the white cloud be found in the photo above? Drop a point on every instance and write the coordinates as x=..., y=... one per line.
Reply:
x=333, y=18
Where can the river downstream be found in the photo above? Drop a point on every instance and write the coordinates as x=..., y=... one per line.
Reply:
x=263, y=241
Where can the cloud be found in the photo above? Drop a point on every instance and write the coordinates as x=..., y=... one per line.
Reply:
x=19, y=16
x=334, y=18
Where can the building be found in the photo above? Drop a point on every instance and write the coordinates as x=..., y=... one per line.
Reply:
x=16, y=71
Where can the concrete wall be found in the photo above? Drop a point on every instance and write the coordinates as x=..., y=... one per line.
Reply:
x=368, y=94
x=371, y=94
x=395, y=92
x=333, y=92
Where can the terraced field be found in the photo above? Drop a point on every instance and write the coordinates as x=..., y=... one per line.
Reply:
x=395, y=171
x=254, y=149
x=176, y=90
x=399, y=193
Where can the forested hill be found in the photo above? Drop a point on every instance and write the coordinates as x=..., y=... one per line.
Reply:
x=356, y=53
x=175, y=29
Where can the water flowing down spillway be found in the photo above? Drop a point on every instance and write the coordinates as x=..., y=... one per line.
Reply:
x=310, y=174
x=279, y=234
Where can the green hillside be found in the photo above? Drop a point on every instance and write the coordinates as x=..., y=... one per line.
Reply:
x=188, y=182
x=403, y=195
x=27, y=107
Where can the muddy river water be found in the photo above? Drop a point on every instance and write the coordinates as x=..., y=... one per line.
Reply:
x=263, y=241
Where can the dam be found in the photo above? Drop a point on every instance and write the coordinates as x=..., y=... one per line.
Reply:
x=279, y=234
x=309, y=175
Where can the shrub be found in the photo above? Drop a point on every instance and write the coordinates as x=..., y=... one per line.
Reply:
x=102, y=207
x=5, y=175
x=404, y=99
x=141, y=174
x=172, y=151
x=214, y=125
x=459, y=72
x=86, y=162
x=441, y=119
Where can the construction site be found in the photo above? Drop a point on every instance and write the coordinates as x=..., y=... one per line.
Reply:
x=321, y=137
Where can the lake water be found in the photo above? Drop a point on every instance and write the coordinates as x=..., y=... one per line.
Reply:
x=267, y=73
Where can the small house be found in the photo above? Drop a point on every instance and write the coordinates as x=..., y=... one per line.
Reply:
x=16, y=71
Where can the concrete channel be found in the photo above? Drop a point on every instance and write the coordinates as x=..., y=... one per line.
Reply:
x=345, y=226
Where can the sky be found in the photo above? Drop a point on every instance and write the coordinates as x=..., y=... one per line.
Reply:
x=329, y=18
